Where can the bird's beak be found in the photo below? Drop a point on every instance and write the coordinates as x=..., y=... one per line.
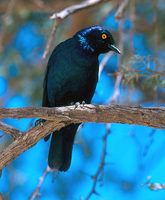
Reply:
x=114, y=48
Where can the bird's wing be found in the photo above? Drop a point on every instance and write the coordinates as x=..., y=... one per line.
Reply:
x=56, y=75
x=45, y=101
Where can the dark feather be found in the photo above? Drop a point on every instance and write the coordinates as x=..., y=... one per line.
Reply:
x=71, y=76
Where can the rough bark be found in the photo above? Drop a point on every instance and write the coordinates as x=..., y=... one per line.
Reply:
x=26, y=141
x=60, y=116
x=146, y=116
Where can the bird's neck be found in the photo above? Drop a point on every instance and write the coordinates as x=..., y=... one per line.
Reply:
x=85, y=45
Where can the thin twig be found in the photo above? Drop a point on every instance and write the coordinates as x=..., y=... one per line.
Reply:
x=30, y=124
x=10, y=7
x=13, y=132
x=162, y=73
x=58, y=16
x=104, y=61
x=36, y=193
x=99, y=172
x=114, y=7
x=109, y=54
x=149, y=144
x=56, y=23
x=120, y=11
x=116, y=92
x=132, y=15
x=156, y=33
x=2, y=135
x=153, y=186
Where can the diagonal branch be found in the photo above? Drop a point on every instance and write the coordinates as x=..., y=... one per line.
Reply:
x=120, y=12
x=7, y=14
x=104, y=61
x=36, y=193
x=13, y=132
x=58, y=16
x=99, y=172
x=72, y=9
x=27, y=140
x=56, y=23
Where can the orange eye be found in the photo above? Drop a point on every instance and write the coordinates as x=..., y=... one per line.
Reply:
x=104, y=36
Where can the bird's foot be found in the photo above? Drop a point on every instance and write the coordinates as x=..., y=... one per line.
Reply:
x=40, y=121
x=81, y=104
x=76, y=105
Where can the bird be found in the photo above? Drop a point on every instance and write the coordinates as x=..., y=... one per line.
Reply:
x=71, y=76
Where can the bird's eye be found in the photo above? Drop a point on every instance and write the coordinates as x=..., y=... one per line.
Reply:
x=104, y=36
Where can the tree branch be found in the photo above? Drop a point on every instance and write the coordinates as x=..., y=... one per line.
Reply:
x=61, y=116
x=119, y=77
x=58, y=16
x=146, y=116
x=36, y=193
x=13, y=132
x=8, y=12
x=153, y=186
x=27, y=140
x=72, y=9
x=121, y=9
x=104, y=61
x=1, y=197
x=50, y=38
x=99, y=173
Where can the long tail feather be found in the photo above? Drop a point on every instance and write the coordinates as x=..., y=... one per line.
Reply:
x=60, y=151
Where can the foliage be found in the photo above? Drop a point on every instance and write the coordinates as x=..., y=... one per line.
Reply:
x=142, y=70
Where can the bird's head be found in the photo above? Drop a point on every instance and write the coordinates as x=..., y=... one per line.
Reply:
x=96, y=40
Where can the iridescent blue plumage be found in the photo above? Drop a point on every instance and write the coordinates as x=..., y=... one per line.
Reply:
x=71, y=76
x=91, y=39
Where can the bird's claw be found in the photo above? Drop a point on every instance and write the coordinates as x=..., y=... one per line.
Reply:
x=76, y=105
x=79, y=104
x=40, y=121
x=83, y=103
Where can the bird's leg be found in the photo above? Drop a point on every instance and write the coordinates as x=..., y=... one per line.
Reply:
x=40, y=121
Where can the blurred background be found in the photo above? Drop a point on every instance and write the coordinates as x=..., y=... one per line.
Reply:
x=133, y=152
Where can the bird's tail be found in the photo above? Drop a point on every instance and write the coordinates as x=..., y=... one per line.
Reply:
x=60, y=151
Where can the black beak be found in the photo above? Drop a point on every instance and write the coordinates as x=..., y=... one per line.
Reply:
x=114, y=48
